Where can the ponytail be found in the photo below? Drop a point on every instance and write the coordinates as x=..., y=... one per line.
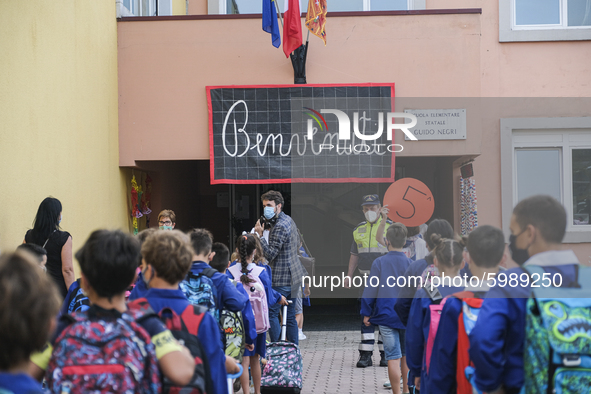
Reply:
x=447, y=251
x=246, y=245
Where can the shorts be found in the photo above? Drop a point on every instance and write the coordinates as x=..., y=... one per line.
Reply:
x=394, y=342
x=299, y=308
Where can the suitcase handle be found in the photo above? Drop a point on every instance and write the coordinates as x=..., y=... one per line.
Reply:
x=284, y=322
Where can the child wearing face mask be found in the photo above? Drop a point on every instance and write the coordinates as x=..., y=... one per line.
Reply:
x=538, y=225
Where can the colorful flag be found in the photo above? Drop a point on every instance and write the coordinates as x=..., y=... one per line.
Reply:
x=292, y=27
x=270, y=24
x=316, y=18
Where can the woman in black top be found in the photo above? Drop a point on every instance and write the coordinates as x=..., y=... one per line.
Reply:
x=46, y=233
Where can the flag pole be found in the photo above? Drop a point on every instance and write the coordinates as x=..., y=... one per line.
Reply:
x=278, y=12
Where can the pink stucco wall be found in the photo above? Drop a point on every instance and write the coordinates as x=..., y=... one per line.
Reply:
x=164, y=67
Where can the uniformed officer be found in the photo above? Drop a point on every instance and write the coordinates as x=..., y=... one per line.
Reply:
x=364, y=250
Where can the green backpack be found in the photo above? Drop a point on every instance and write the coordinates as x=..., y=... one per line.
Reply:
x=557, y=350
x=233, y=327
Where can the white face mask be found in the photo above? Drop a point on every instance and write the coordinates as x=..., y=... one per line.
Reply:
x=371, y=216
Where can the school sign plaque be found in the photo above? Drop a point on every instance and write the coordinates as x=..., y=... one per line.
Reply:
x=439, y=124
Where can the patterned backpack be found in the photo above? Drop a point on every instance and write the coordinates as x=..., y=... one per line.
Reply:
x=100, y=356
x=233, y=327
x=257, y=295
x=557, y=351
x=185, y=329
x=78, y=301
x=200, y=290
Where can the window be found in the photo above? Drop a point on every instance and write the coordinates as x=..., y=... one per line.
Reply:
x=549, y=156
x=148, y=7
x=552, y=13
x=255, y=6
x=581, y=175
x=544, y=20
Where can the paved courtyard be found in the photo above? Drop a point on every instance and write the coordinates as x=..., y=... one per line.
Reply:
x=329, y=365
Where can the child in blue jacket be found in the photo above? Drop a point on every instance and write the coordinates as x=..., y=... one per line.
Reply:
x=29, y=303
x=448, y=260
x=485, y=252
x=538, y=225
x=247, y=248
x=379, y=297
x=220, y=262
x=166, y=260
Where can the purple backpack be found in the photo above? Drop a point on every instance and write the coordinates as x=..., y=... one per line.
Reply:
x=257, y=295
x=104, y=356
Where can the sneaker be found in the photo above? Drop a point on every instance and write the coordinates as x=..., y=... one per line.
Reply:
x=301, y=335
x=387, y=384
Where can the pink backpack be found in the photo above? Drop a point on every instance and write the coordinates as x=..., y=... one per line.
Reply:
x=258, y=297
x=435, y=311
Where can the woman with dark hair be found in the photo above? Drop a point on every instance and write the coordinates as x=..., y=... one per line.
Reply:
x=46, y=233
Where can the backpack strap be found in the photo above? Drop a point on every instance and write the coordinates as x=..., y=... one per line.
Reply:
x=140, y=310
x=209, y=272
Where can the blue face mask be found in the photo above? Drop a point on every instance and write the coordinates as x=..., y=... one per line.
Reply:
x=147, y=282
x=269, y=212
x=165, y=227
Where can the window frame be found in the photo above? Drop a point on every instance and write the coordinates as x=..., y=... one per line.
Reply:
x=220, y=6
x=509, y=31
x=565, y=133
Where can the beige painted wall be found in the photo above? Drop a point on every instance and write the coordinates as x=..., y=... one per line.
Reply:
x=58, y=103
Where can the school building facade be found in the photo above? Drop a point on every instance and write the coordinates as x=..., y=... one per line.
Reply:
x=133, y=101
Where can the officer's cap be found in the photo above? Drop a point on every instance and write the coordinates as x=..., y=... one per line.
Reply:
x=370, y=199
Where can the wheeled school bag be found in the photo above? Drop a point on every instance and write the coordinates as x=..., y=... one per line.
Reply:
x=557, y=350
x=101, y=356
x=283, y=371
x=256, y=295
x=200, y=290
x=184, y=328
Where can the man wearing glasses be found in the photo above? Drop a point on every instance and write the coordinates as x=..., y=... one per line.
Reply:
x=166, y=219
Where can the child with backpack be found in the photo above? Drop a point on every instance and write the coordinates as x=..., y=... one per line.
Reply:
x=204, y=285
x=29, y=302
x=257, y=284
x=110, y=347
x=377, y=304
x=449, y=359
x=426, y=307
x=506, y=353
x=166, y=259
x=239, y=327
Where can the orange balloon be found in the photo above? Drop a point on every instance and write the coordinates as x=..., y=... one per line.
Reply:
x=410, y=202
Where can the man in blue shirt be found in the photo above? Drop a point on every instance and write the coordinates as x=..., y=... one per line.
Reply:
x=538, y=225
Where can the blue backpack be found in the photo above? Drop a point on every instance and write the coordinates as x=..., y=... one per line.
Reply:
x=76, y=300
x=557, y=351
x=200, y=290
